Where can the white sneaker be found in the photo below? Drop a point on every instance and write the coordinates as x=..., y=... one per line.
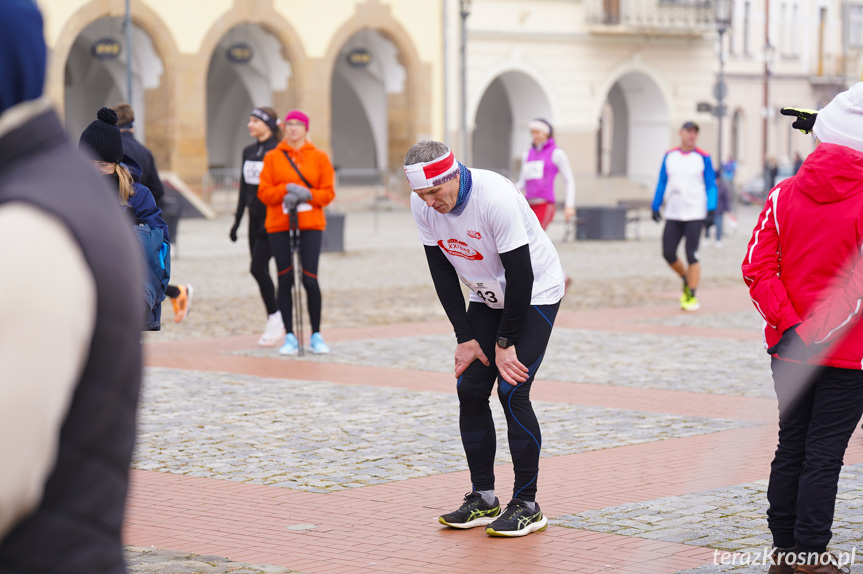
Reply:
x=719, y=245
x=274, y=331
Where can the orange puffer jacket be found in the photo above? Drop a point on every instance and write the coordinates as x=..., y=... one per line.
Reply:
x=277, y=173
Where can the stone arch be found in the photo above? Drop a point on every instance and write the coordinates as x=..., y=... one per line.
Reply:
x=640, y=105
x=409, y=113
x=246, y=15
x=160, y=119
x=500, y=121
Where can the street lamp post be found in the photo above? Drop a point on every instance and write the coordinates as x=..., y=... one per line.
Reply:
x=722, y=14
x=465, y=12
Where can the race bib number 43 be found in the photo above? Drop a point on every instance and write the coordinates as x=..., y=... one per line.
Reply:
x=490, y=292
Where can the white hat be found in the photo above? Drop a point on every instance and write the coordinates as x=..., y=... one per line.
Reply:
x=841, y=121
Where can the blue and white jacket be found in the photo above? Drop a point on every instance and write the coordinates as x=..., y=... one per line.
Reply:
x=687, y=185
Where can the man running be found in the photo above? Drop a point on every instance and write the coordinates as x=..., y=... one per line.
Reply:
x=477, y=227
x=688, y=178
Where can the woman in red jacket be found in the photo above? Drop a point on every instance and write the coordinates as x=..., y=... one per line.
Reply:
x=297, y=174
x=805, y=276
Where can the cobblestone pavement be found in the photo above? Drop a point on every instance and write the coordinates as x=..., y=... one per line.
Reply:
x=382, y=277
x=728, y=519
x=314, y=445
x=324, y=437
x=150, y=560
x=596, y=357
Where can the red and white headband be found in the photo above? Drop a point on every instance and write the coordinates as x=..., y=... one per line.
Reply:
x=431, y=173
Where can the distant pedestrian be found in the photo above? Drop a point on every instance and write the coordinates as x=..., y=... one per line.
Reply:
x=101, y=141
x=722, y=207
x=687, y=188
x=805, y=275
x=540, y=165
x=264, y=128
x=798, y=162
x=297, y=175
x=180, y=295
x=70, y=349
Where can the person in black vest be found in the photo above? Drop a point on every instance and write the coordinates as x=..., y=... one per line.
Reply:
x=68, y=403
x=264, y=127
x=180, y=295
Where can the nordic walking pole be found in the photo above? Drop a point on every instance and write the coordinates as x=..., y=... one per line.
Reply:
x=296, y=260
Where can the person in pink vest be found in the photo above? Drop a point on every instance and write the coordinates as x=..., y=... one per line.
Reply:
x=540, y=165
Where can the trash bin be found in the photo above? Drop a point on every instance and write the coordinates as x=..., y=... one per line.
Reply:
x=601, y=222
x=333, y=238
x=171, y=209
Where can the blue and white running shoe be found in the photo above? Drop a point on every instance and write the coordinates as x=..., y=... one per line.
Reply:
x=291, y=346
x=318, y=345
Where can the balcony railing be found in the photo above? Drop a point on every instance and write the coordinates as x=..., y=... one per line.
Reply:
x=645, y=16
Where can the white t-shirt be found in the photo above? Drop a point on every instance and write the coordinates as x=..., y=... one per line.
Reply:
x=496, y=219
x=685, y=190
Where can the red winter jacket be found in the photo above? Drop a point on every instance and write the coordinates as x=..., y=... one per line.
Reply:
x=803, y=263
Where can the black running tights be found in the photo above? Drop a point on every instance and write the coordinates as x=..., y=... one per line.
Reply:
x=259, y=246
x=474, y=389
x=310, y=252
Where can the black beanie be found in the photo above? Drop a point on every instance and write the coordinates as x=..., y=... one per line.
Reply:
x=102, y=138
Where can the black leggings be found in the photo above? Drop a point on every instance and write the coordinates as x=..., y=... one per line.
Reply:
x=259, y=246
x=672, y=234
x=474, y=389
x=310, y=252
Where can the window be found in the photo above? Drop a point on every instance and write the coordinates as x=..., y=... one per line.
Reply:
x=793, y=45
x=855, y=26
x=782, y=26
x=747, y=9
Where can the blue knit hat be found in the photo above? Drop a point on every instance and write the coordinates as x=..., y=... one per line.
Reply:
x=101, y=140
x=22, y=53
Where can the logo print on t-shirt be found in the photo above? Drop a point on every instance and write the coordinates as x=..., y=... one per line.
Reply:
x=474, y=234
x=460, y=249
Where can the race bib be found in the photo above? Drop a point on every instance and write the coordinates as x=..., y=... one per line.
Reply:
x=252, y=171
x=490, y=292
x=534, y=170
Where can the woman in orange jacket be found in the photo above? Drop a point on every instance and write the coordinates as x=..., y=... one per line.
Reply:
x=297, y=174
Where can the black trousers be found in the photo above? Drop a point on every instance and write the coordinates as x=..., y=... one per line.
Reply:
x=674, y=231
x=474, y=389
x=310, y=252
x=259, y=247
x=816, y=420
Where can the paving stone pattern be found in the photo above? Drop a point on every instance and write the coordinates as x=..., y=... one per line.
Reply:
x=622, y=359
x=324, y=437
x=727, y=519
x=744, y=320
x=141, y=560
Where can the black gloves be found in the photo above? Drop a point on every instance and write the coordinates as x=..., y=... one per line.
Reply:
x=656, y=216
x=791, y=346
x=805, y=118
x=234, y=229
x=296, y=195
x=710, y=220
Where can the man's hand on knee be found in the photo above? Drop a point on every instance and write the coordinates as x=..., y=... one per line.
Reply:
x=466, y=353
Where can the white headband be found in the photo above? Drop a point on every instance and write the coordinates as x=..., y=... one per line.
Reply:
x=431, y=173
x=539, y=125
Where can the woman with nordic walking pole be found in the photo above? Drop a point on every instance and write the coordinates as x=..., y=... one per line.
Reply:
x=297, y=179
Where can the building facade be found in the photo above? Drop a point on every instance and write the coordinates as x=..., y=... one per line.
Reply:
x=616, y=78
x=367, y=73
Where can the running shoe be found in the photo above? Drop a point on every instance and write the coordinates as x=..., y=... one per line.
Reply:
x=291, y=346
x=317, y=344
x=274, y=331
x=518, y=520
x=182, y=303
x=690, y=304
x=474, y=511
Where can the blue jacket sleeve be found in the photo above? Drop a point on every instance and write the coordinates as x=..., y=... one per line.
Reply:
x=710, y=183
x=144, y=208
x=660, y=186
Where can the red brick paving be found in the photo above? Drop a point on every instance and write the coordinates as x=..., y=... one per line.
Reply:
x=392, y=527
